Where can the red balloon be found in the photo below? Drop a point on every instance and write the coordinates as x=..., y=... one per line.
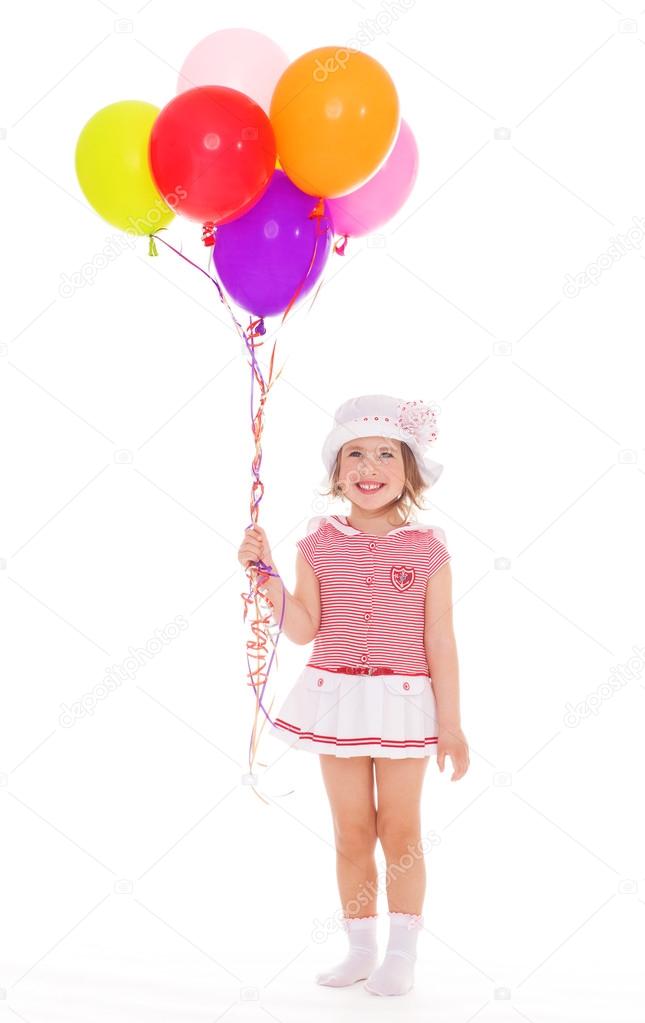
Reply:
x=213, y=150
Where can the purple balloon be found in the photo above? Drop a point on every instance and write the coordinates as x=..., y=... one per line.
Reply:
x=262, y=257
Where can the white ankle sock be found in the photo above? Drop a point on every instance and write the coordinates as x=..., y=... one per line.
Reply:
x=362, y=955
x=395, y=975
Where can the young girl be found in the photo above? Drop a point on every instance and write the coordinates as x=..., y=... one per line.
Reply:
x=379, y=694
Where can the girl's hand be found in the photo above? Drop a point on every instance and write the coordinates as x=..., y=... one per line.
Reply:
x=452, y=742
x=254, y=547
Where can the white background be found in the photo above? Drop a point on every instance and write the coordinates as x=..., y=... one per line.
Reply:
x=141, y=878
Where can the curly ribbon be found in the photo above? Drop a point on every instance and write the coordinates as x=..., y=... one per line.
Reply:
x=258, y=572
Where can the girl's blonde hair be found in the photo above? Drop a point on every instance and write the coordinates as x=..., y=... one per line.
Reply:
x=412, y=489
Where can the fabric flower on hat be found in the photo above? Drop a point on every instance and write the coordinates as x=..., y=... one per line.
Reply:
x=418, y=419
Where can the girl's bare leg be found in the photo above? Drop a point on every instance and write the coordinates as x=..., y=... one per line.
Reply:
x=398, y=825
x=349, y=782
x=350, y=786
x=399, y=784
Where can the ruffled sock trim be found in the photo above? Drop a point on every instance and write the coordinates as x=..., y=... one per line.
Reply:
x=358, y=922
x=410, y=920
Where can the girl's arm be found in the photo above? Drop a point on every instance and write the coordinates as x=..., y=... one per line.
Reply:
x=441, y=649
x=441, y=652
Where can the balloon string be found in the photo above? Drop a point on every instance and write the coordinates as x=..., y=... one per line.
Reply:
x=317, y=215
x=259, y=571
x=156, y=236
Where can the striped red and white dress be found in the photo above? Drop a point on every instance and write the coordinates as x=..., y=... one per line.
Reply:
x=366, y=688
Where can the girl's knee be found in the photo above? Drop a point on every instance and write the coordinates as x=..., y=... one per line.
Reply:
x=395, y=834
x=355, y=838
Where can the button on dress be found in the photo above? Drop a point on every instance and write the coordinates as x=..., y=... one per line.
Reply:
x=366, y=689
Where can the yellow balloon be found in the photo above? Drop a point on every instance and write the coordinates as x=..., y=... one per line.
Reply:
x=113, y=170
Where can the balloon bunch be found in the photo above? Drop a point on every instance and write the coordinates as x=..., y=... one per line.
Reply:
x=272, y=158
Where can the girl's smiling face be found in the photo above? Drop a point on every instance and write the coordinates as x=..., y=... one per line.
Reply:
x=372, y=460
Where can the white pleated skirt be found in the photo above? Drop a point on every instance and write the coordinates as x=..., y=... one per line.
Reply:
x=349, y=715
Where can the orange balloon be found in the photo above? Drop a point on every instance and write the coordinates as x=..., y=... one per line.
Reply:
x=335, y=115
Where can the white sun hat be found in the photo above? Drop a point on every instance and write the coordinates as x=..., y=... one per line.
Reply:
x=380, y=415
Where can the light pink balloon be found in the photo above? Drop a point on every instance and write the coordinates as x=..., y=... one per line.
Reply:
x=377, y=201
x=239, y=58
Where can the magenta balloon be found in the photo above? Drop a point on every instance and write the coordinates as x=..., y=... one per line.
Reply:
x=262, y=257
x=380, y=198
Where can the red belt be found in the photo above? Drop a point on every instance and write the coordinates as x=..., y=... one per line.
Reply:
x=350, y=669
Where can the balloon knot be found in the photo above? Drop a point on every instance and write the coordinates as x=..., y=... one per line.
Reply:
x=339, y=247
x=152, y=247
x=208, y=233
x=257, y=326
x=318, y=210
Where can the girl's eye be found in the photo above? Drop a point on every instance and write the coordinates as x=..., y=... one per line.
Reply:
x=382, y=453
